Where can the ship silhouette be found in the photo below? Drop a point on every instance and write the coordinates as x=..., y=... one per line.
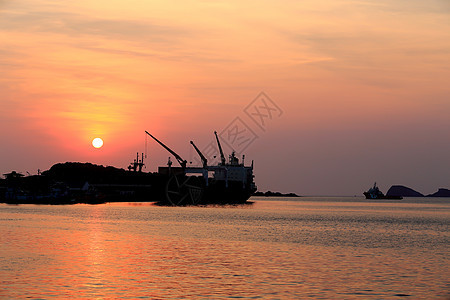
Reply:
x=225, y=183
x=375, y=193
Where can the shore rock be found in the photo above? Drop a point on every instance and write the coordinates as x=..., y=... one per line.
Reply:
x=275, y=194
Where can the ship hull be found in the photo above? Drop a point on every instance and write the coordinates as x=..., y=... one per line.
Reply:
x=235, y=193
x=383, y=197
x=182, y=190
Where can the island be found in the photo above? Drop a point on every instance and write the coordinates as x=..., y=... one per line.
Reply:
x=404, y=191
x=440, y=193
x=274, y=194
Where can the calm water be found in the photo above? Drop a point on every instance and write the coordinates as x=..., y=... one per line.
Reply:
x=321, y=248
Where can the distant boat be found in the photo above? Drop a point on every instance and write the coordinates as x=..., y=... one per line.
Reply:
x=375, y=193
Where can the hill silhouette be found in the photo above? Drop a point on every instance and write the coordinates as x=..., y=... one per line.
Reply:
x=400, y=190
x=441, y=193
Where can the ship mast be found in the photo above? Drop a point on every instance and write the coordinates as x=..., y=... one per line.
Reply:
x=204, y=160
x=181, y=161
x=222, y=157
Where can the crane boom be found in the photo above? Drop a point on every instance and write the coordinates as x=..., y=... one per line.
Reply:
x=181, y=161
x=204, y=160
x=222, y=157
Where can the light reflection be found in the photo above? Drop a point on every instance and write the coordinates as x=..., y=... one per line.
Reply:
x=96, y=250
x=122, y=250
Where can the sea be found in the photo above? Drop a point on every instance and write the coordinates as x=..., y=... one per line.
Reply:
x=271, y=248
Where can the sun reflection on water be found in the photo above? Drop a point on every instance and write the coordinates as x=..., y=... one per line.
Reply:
x=271, y=250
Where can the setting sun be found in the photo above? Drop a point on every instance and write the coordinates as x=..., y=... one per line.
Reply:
x=97, y=143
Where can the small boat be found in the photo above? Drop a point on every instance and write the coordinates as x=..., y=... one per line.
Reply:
x=375, y=193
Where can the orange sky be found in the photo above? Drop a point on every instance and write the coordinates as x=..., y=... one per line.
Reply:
x=363, y=86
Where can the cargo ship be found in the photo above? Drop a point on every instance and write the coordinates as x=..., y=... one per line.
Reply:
x=375, y=193
x=228, y=182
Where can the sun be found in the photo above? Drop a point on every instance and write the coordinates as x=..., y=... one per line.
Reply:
x=97, y=143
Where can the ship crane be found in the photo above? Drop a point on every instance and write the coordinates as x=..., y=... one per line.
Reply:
x=181, y=161
x=222, y=157
x=137, y=164
x=204, y=160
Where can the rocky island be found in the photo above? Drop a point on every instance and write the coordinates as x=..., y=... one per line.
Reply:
x=403, y=191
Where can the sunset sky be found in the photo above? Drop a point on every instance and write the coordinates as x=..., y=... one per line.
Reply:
x=357, y=91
